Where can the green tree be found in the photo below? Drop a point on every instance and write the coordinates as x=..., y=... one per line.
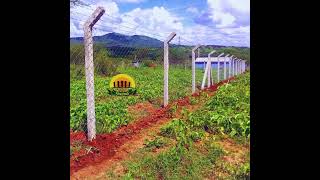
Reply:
x=179, y=55
x=242, y=53
x=76, y=54
x=104, y=65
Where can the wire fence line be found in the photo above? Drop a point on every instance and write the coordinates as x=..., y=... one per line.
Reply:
x=100, y=53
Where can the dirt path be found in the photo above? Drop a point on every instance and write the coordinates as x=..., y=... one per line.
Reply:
x=110, y=149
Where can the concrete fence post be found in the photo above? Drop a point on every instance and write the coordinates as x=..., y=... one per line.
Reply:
x=198, y=54
x=233, y=66
x=194, y=68
x=225, y=67
x=204, y=77
x=232, y=59
x=210, y=69
x=240, y=66
x=242, y=69
x=218, y=67
x=236, y=67
x=230, y=66
x=89, y=71
x=166, y=68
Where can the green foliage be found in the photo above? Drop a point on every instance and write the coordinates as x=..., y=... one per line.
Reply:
x=148, y=63
x=173, y=109
x=111, y=110
x=223, y=113
x=78, y=116
x=76, y=146
x=174, y=164
x=110, y=116
x=196, y=135
x=243, y=172
x=234, y=172
x=193, y=100
x=242, y=53
x=178, y=129
x=173, y=129
x=76, y=54
x=228, y=111
x=158, y=142
x=103, y=65
x=179, y=55
x=77, y=72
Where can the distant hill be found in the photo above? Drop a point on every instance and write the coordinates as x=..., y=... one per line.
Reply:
x=116, y=39
x=135, y=41
x=219, y=46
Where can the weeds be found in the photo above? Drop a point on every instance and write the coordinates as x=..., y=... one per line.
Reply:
x=157, y=143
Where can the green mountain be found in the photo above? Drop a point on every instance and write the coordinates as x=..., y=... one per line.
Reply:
x=116, y=39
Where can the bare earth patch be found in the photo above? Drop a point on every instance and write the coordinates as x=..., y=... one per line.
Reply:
x=140, y=110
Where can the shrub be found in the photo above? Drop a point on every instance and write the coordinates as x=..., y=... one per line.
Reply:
x=149, y=63
x=103, y=64
x=76, y=54
x=77, y=71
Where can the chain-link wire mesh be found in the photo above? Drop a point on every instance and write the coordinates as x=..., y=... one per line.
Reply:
x=139, y=53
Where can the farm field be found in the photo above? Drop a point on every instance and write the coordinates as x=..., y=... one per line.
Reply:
x=112, y=111
x=159, y=90
x=212, y=141
x=203, y=136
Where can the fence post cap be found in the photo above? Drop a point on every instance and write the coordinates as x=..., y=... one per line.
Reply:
x=196, y=47
x=211, y=52
x=95, y=16
x=170, y=37
x=221, y=54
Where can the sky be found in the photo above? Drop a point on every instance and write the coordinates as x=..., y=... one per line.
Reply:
x=205, y=22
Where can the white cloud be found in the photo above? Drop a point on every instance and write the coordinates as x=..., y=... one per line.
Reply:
x=158, y=22
x=75, y=31
x=225, y=13
x=225, y=19
x=241, y=29
x=80, y=14
x=130, y=1
x=193, y=10
x=237, y=5
x=240, y=5
x=200, y=34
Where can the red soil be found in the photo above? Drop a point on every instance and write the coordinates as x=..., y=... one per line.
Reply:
x=106, y=145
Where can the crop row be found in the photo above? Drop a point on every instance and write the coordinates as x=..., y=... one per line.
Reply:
x=112, y=111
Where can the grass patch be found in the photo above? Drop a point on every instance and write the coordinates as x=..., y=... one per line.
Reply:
x=157, y=143
x=174, y=163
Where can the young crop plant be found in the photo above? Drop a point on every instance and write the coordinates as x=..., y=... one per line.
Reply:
x=157, y=143
x=111, y=110
x=228, y=111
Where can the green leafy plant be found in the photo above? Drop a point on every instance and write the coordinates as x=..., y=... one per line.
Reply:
x=158, y=142
x=228, y=112
x=111, y=110
x=193, y=100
